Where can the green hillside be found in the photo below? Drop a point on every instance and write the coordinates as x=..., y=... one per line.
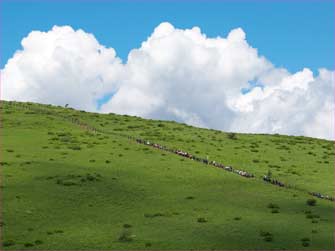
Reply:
x=65, y=186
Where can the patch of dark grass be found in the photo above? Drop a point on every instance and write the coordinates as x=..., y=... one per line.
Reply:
x=38, y=242
x=237, y=218
x=267, y=236
x=273, y=205
x=154, y=215
x=275, y=211
x=148, y=244
x=8, y=243
x=202, y=220
x=312, y=216
x=189, y=198
x=127, y=225
x=311, y=202
x=75, y=148
x=126, y=236
x=305, y=244
x=232, y=136
x=28, y=244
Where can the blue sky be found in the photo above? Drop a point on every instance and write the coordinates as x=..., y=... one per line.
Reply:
x=292, y=34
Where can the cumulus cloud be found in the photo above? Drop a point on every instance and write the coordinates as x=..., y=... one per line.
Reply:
x=61, y=66
x=177, y=75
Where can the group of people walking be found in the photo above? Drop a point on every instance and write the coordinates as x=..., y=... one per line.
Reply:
x=178, y=152
x=320, y=196
x=273, y=181
x=195, y=158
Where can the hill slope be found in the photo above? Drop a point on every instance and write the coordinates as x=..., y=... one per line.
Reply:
x=66, y=187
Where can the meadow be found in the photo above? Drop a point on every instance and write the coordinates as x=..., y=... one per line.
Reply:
x=65, y=187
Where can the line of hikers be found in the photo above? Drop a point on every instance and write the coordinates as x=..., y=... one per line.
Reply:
x=193, y=157
x=319, y=195
x=281, y=184
x=273, y=181
x=178, y=152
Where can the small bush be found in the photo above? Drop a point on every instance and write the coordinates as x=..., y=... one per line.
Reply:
x=231, y=136
x=275, y=211
x=148, y=244
x=264, y=233
x=305, y=239
x=189, y=198
x=127, y=225
x=237, y=218
x=272, y=205
x=38, y=242
x=202, y=220
x=153, y=215
x=267, y=236
x=311, y=202
x=126, y=236
x=28, y=244
x=8, y=243
x=305, y=244
x=76, y=148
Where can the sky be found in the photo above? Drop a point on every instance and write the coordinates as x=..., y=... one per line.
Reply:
x=244, y=66
x=292, y=34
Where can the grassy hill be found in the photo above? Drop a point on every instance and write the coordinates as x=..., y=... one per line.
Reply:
x=65, y=187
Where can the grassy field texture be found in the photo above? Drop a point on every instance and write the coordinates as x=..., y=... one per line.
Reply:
x=64, y=187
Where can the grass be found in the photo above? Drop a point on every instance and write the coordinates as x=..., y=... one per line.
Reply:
x=141, y=199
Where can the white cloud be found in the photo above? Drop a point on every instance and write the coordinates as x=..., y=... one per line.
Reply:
x=175, y=74
x=61, y=66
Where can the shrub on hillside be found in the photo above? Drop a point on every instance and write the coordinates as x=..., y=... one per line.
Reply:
x=202, y=220
x=267, y=236
x=38, y=242
x=273, y=205
x=275, y=211
x=126, y=236
x=8, y=243
x=311, y=202
x=231, y=135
